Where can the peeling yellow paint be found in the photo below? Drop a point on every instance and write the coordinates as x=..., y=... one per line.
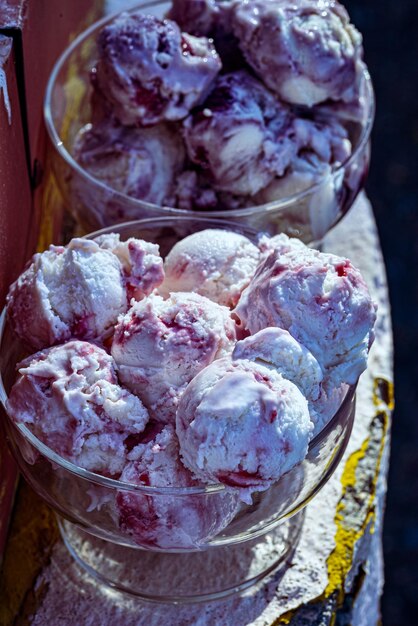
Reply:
x=284, y=619
x=340, y=560
x=51, y=212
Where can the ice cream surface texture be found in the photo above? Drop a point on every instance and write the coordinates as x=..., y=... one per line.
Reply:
x=275, y=347
x=70, y=398
x=319, y=147
x=202, y=17
x=215, y=263
x=321, y=299
x=138, y=162
x=242, y=424
x=226, y=105
x=150, y=72
x=306, y=51
x=142, y=265
x=240, y=136
x=160, y=345
x=79, y=290
x=166, y=520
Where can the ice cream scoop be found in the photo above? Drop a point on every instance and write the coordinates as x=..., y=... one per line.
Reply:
x=212, y=19
x=164, y=520
x=215, y=263
x=201, y=17
x=70, y=398
x=240, y=135
x=307, y=51
x=321, y=299
x=79, y=290
x=142, y=265
x=139, y=162
x=76, y=290
x=275, y=347
x=149, y=71
x=242, y=424
x=322, y=145
x=160, y=345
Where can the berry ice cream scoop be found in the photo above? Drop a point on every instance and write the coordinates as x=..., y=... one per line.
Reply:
x=193, y=191
x=216, y=263
x=149, y=71
x=275, y=347
x=70, y=398
x=321, y=299
x=169, y=521
x=213, y=19
x=240, y=135
x=323, y=408
x=77, y=291
x=139, y=162
x=160, y=345
x=242, y=424
x=201, y=17
x=322, y=146
x=142, y=265
x=307, y=51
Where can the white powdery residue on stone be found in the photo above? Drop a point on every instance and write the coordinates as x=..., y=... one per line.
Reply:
x=366, y=610
x=357, y=237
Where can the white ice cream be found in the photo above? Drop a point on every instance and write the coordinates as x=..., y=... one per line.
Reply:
x=215, y=263
x=169, y=521
x=160, y=345
x=70, y=398
x=80, y=290
x=242, y=424
x=321, y=299
x=275, y=347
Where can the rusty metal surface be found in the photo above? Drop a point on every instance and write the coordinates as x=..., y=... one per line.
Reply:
x=15, y=191
x=32, y=34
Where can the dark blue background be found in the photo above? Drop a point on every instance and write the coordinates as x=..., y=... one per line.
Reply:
x=390, y=31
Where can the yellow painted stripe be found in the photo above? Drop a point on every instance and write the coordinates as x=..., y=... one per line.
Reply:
x=340, y=560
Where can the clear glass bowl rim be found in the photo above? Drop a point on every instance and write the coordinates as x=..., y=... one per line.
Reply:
x=112, y=483
x=270, y=206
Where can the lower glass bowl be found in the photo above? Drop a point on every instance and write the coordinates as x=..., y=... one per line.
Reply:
x=230, y=545
x=308, y=214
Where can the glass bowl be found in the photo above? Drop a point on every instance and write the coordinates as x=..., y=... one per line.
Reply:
x=308, y=214
x=233, y=546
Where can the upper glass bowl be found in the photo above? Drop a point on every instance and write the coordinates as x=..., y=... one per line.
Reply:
x=308, y=214
x=90, y=502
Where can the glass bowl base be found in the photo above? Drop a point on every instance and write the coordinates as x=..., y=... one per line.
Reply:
x=187, y=577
